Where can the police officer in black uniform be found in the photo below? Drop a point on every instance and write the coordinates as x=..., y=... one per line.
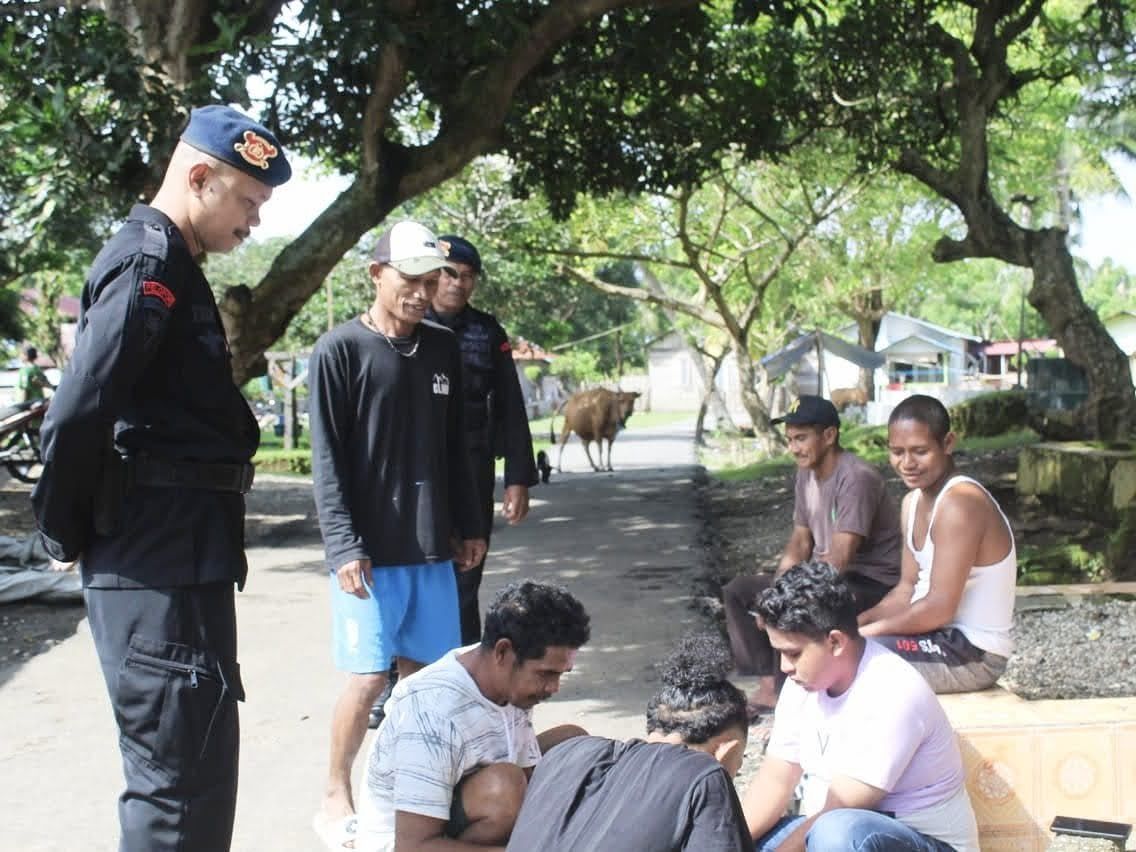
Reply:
x=147, y=448
x=495, y=417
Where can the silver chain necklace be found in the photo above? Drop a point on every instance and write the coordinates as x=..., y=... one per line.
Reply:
x=369, y=321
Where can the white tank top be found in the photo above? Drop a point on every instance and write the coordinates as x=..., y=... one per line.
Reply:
x=986, y=610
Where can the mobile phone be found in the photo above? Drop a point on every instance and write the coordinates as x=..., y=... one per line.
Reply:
x=1075, y=827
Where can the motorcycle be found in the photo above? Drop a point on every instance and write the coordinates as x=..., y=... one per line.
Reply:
x=19, y=439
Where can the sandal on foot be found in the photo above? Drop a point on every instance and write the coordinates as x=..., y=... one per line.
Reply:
x=336, y=834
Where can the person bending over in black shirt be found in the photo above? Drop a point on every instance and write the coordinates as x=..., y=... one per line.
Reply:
x=671, y=792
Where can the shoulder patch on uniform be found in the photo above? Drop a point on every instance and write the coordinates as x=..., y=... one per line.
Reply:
x=159, y=291
x=505, y=347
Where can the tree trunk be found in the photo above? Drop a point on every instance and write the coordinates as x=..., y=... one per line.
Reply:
x=755, y=408
x=254, y=319
x=868, y=326
x=1109, y=412
x=700, y=423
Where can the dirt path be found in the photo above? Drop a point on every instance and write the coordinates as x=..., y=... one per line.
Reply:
x=625, y=543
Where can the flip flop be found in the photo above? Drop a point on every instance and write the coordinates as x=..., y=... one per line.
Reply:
x=336, y=834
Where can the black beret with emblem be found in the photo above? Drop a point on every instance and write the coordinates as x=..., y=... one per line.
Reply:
x=236, y=139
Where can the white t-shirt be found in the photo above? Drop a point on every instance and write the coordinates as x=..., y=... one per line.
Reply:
x=438, y=729
x=887, y=730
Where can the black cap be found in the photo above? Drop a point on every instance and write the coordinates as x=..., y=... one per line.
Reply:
x=810, y=411
x=461, y=250
x=236, y=139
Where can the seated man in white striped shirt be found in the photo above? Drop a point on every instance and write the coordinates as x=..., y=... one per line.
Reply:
x=449, y=766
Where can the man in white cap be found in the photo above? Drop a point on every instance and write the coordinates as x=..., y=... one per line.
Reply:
x=392, y=481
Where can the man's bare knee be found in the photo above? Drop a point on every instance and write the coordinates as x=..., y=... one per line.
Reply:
x=493, y=796
x=365, y=688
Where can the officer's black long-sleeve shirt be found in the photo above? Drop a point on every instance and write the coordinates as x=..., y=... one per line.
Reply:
x=496, y=421
x=392, y=476
x=151, y=363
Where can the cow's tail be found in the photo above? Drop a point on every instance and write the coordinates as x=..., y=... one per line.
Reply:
x=552, y=421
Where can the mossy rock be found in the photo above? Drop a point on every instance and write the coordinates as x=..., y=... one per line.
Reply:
x=990, y=414
x=1080, y=478
x=1059, y=564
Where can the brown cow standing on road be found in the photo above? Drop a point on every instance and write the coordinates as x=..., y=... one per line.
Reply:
x=595, y=415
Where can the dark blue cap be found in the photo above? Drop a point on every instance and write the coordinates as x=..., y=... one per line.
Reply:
x=236, y=139
x=810, y=411
x=461, y=251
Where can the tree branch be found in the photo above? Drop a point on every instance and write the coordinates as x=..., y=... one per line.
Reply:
x=388, y=82
x=639, y=295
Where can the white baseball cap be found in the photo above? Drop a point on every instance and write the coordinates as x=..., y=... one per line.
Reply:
x=411, y=249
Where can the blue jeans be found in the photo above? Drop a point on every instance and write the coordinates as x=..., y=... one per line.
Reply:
x=853, y=830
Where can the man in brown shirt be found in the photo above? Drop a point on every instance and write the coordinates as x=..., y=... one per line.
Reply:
x=842, y=515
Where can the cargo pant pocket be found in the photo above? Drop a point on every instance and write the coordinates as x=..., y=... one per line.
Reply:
x=170, y=699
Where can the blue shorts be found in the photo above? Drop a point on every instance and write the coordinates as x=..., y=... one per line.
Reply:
x=412, y=612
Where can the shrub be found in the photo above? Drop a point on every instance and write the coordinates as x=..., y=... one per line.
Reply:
x=284, y=461
x=990, y=414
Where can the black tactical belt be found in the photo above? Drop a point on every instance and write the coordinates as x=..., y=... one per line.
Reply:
x=209, y=476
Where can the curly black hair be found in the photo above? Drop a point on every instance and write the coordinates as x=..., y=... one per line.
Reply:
x=926, y=410
x=534, y=617
x=811, y=598
x=696, y=700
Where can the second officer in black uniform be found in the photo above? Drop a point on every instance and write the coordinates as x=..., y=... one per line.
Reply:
x=495, y=417
x=147, y=448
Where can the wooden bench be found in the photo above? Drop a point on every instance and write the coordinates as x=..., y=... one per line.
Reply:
x=1028, y=761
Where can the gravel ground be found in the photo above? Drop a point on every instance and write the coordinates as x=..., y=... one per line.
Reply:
x=1082, y=648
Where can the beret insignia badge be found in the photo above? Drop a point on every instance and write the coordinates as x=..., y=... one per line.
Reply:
x=255, y=150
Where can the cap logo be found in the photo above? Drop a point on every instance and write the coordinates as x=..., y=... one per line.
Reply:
x=444, y=245
x=255, y=150
x=795, y=405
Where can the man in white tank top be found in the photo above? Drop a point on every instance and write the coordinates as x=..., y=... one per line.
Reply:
x=951, y=614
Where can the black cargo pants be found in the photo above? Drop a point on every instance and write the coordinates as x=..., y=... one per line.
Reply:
x=169, y=660
x=469, y=582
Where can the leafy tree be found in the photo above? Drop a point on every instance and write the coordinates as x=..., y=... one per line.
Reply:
x=941, y=90
x=77, y=110
x=724, y=254
x=402, y=94
x=520, y=282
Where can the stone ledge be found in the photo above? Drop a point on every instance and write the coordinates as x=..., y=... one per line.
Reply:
x=1028, y=761
x=1126, y=587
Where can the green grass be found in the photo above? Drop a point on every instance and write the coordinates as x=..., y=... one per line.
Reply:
x=870, y=444
x=269, y=441
x=757, y=470
x=1007, y=441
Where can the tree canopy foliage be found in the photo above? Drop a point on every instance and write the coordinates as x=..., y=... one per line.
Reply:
x=584, y=96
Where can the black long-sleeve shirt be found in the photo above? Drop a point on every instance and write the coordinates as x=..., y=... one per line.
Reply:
x=496, y=422
x=392, y=477
x=151, y=364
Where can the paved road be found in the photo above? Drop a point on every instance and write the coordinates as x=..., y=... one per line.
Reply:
x=623, y=542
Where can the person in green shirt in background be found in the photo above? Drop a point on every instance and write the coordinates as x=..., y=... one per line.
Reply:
x=31, y=381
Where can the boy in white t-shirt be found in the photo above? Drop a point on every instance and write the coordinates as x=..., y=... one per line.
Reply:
x=880, y=763
x=452, y=757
